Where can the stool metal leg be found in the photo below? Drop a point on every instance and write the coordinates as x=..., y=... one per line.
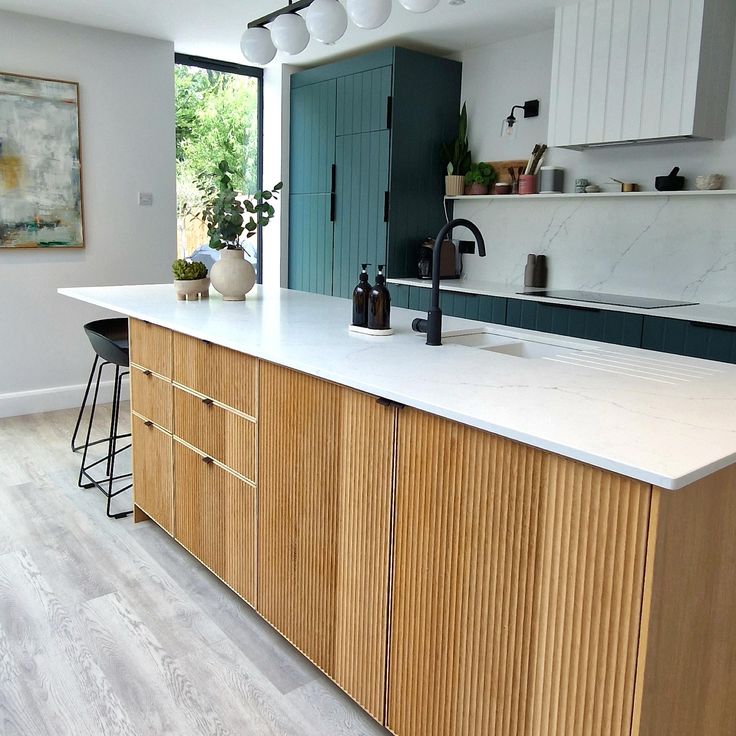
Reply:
x=76, y=447
x=105, y=485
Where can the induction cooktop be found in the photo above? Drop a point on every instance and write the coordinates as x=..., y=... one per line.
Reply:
x=617, y=300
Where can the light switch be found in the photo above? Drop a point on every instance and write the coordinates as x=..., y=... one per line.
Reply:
x=145, y=199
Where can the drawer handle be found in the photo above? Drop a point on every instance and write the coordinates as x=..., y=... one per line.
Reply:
x=147, y=373
x=713, y=326
x=148, y=423
x=207, y=460
x=207, y=402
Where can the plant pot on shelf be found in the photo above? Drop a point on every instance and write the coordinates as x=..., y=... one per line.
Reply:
x=232, y=275
x=454, y=185
x=476, y=190
x=192, y=289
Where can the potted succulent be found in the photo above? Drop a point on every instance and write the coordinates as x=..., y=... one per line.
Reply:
x=190, y=280
x=224, y=212
x=479, y=178
x=457, y=158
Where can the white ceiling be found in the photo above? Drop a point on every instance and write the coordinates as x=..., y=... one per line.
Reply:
x=213, y=27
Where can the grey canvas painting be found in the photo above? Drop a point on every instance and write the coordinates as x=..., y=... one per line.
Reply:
x=40, y=166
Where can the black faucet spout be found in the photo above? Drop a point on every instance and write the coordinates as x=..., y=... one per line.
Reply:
x=432, y=326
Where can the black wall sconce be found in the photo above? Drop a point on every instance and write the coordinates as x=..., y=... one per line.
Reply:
x=530, y=108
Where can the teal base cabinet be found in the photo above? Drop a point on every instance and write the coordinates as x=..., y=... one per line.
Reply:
x=619, y=328
x=365, y=152
x=694, y=339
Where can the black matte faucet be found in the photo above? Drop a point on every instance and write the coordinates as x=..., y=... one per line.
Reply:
x=432, y=326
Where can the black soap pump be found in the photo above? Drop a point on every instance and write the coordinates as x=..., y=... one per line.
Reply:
x=379, y=304
x=361, y=294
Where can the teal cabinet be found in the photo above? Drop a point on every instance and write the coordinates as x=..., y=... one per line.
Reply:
x=360, y=219
x=694, y=339
x=620, y=328
x=366, y=135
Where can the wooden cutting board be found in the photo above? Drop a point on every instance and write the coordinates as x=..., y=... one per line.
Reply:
x=502, y=167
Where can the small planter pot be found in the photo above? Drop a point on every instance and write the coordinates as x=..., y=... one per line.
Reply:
x=476, y=190
x=454, y=186
x=232, y=275
x=192, y=290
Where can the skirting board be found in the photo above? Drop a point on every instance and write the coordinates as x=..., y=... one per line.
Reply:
x=54, y=398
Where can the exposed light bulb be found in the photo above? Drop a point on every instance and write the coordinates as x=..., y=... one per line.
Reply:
x=326, y=21
x=369, y=14
x=289, y=33
x=257, y=46
x=419, y=6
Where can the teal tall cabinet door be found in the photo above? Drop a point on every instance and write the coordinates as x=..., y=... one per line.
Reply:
x=311, y=197
x=360, y=206
x=366, y=176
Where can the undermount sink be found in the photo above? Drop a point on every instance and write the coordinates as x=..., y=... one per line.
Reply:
x=507, y=345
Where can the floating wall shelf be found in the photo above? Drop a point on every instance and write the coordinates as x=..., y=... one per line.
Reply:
x=599, y=195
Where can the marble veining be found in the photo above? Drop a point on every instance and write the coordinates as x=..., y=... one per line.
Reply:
x=669, y=433
x=669, y=247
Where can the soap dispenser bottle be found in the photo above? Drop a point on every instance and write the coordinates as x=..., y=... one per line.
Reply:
x=361, y=294
x=379, y=304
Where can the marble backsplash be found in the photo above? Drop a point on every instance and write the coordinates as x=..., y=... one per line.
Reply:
x=671, y=247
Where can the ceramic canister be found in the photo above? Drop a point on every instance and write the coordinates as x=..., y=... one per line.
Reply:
x=551, y=180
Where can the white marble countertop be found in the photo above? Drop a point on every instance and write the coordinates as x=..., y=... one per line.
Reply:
x=710, y=313
x=661, y=419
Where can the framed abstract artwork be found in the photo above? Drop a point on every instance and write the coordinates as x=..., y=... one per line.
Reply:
x=40, y=164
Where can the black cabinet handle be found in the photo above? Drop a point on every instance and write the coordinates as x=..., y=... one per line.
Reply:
x=575, y=307
x=388, y=403
x=207, y=402
x=333, y=189
x=713, y=326
x=386, y=205
x=147, y=373
x=389, y=112
x=148, y=423
x=207, y=460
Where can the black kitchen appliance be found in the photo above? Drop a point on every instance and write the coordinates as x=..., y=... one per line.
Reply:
x=451, y=259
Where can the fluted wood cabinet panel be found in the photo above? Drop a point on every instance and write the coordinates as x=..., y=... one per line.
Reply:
x=687, y=677
x=153, y=489
x=217, y=372
x=150, y=346
x=151, y=397
x=517, y=588
x=324, y=525
x=217, y=432
x=215, y=519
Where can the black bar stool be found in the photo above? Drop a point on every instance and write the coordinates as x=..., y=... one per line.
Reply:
x=109, y=340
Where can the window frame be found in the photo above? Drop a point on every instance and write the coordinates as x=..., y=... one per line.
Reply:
x=246, y=71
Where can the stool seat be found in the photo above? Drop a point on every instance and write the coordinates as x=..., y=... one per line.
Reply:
x=109, y=339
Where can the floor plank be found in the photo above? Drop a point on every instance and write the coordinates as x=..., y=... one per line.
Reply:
x=112, y=628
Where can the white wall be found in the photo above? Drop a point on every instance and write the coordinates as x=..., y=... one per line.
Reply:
x=674, y=247
x=127, y=133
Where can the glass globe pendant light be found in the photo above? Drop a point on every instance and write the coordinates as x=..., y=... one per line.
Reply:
x=257, y=46
x=289, y=33
x=369, y=13
x=326, y=20
x=419, y=6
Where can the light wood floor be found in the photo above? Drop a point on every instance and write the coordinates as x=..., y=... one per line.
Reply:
x=111, y=628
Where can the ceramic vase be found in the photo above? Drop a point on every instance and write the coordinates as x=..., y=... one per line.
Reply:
x=476, y=190
x=233, y=276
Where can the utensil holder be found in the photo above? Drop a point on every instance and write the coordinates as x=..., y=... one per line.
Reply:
x=527, y=184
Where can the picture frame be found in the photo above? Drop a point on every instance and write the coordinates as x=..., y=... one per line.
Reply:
x=41, y=190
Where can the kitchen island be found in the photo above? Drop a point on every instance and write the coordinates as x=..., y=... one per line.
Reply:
x=497, y=544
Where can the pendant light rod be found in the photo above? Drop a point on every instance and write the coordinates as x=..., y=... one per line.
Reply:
x=292, y=7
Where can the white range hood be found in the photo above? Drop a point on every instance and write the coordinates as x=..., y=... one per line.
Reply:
x=632, y=71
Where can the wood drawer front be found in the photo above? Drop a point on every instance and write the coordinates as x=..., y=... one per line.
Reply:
x=217, y=432
x=216, y=519
x=153, y=489
x=150, y=347
x=220, y=373
x=151, y=397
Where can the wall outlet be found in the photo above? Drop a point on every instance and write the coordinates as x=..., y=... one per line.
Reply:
x=145, y=199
